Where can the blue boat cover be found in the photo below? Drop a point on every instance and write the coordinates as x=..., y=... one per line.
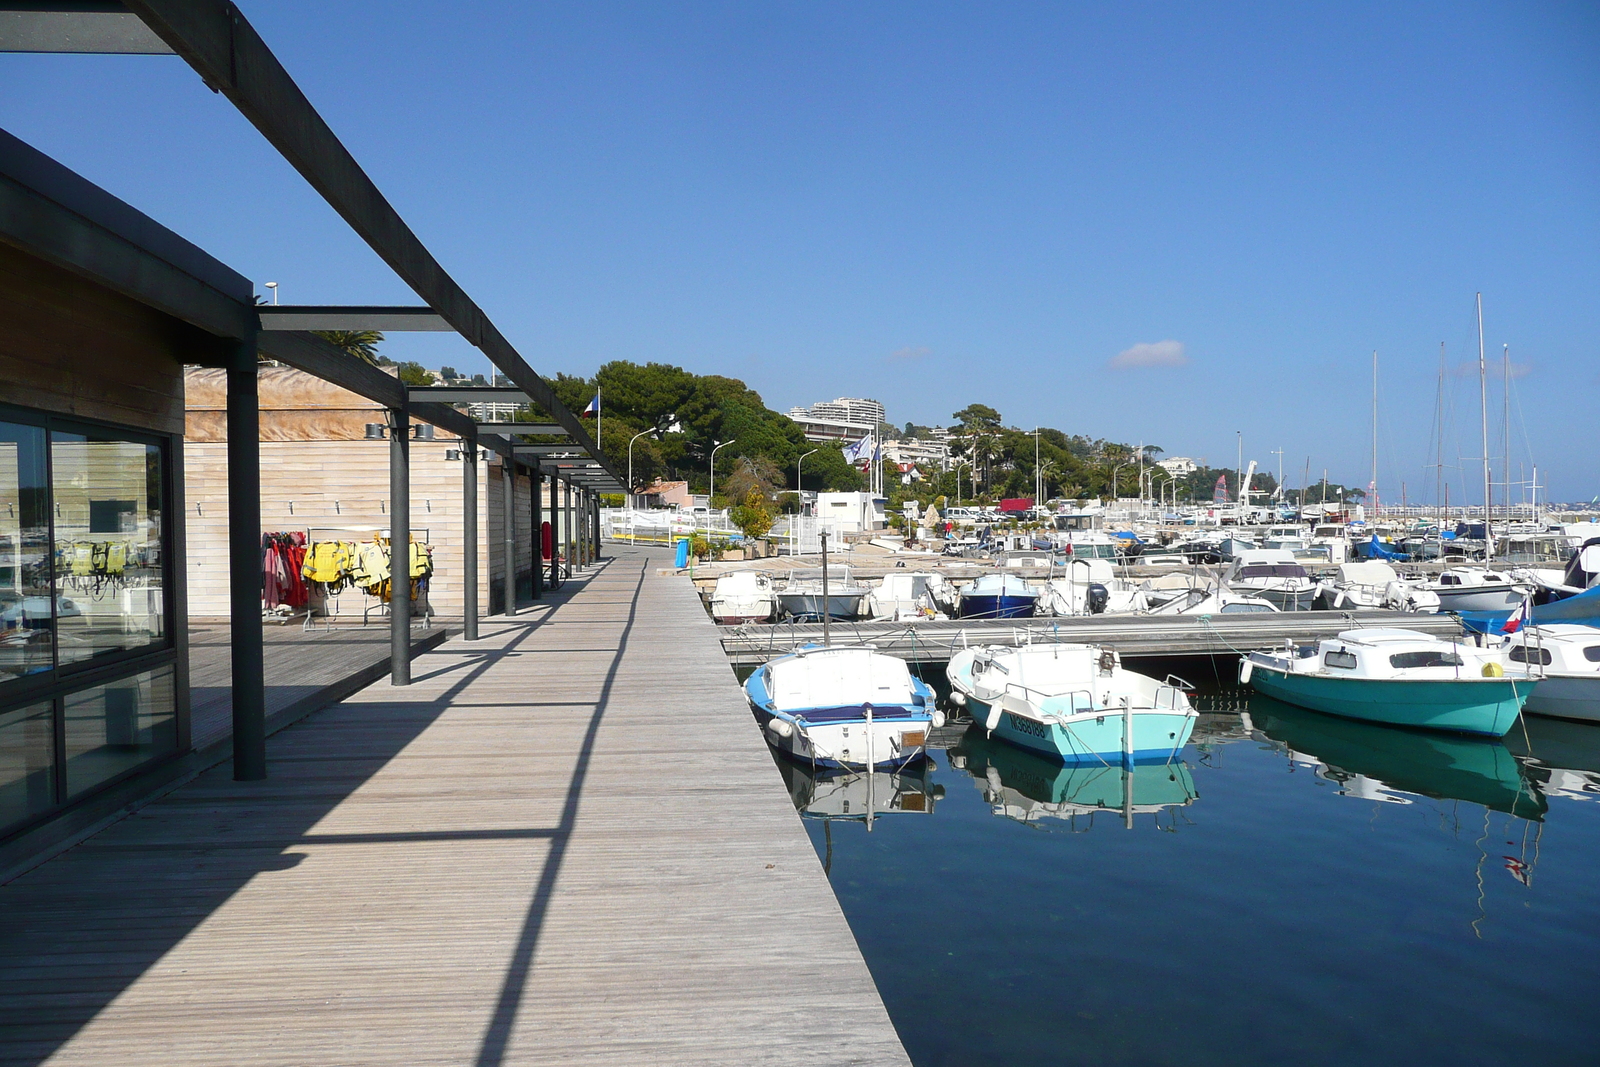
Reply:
x=856, y=713
x=1374, y=549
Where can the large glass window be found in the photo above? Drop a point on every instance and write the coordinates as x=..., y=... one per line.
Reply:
x=114, y=727
x=27, y=762
x=82, y=590
x=107, y=504
x=27, y=620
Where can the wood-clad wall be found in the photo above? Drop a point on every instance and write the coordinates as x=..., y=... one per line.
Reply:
x=74, y=348
x=341, y=488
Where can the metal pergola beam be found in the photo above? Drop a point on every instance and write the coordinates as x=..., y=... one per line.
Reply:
x=330, y=317
x=79, y=27
x=543, y=429
x=469, y=394
x=216, y=40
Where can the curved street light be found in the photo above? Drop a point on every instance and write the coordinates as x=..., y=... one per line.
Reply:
x=673, y=427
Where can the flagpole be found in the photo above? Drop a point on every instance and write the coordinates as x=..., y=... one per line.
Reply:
x=597, y=416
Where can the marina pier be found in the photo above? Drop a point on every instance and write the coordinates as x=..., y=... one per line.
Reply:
x=1132, y=635
x=492, y=865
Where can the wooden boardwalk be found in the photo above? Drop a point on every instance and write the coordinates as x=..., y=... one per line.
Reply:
x=565, y=843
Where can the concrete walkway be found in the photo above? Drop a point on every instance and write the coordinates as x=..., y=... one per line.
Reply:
x=565, y=843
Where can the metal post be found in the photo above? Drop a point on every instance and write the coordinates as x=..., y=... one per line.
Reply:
x=583, y=526
x=567, y=522
x=826, y=642
x=400, y=549
x=508, y=480
x=537, y=475
x=469, y=537
x=596, y=507
x=244, y=565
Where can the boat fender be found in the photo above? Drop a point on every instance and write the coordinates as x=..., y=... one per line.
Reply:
x=1493, y=670
x=938, y=718
x=1246, y=668
x=781, y=727
x=958, y=698
x=994, y=718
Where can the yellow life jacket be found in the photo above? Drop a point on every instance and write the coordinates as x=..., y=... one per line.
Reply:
x=82, y=557
x=328, y=561
x=116, y=558
x=421, y=562
x=372, y=565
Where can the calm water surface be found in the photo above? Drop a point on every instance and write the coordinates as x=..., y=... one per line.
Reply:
x=1301, y=889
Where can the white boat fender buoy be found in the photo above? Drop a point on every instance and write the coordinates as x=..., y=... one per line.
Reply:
x=1246, y=668
x=781, y=727
x=938, y=718
x=994, y=718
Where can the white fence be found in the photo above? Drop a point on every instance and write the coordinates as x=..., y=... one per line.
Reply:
x=790, y=535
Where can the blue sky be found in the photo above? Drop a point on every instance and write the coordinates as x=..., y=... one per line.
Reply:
x=937, y=204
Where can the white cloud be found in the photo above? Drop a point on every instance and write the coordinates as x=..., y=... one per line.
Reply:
x=1158, y=354
x=908, y=353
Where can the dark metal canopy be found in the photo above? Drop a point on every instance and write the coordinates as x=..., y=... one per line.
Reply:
x=82, y=26
x=320, y=317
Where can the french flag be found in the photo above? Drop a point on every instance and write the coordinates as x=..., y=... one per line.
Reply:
x=593, y=408
x=1519, y=618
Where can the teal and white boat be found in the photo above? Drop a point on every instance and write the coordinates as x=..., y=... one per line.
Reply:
x=1073, y=702
x=1393, y=676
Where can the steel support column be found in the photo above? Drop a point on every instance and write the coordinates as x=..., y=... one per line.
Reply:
x=536, y=477
x=566, y=513
x=508, y=531
x=469, y=538
x=244, y=565
x=597, y=529
x=400, y=549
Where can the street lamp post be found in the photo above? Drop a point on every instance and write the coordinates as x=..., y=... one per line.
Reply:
x=799, y=502
x=713, y=490
x=274, y=287
x=1114, y=471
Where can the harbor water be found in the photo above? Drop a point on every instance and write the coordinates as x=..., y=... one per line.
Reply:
x=1297, y=889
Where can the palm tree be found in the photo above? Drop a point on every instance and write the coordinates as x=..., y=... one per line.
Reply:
x=362, y=344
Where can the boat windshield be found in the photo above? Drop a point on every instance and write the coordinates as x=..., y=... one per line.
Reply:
x=1541, y=656
x=1272, y=570
x=1428, y=658
x=1592, y=653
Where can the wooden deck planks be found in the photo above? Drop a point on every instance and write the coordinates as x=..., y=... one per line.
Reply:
x=543, y=851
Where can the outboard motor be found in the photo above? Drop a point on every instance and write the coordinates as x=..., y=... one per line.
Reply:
x=1099, y=597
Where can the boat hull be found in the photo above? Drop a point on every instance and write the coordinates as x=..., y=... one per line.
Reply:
x=843, y=745
x=1158, y=736
x=1283, y=599
x=1484, y=706
x=1480, y=597
x=809, y=605
x=1566, y=698
x=986, y=606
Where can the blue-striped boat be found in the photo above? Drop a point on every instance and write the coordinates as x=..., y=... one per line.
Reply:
x=998, y=596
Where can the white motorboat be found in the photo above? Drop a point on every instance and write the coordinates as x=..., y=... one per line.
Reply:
x=1565, y=659
x=802, y=596
x=743, y=596
x=853, y=708
x=1478, y=589
x=1072, y=702
x=1372, y=585
x=1273, y=575
x=1090, y=587
x=1333, y=537
x=911, y=595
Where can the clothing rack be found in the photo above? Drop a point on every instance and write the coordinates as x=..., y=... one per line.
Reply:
x=356, y=535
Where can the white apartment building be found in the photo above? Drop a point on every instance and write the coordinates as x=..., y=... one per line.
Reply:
x=846, y=418
x=1178, y=466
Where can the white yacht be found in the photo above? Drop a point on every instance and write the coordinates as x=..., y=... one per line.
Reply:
x=1274, y=575
x=1373, y=585
x=1478, y=589
x=911, y=595
x=743, y=596
x=1565, y=659
x=802, y=596
x=1090, y=587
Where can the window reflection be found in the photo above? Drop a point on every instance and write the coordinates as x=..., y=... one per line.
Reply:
x=107, y=511
x=117, y=726
x=26, y=618
x=27, y=762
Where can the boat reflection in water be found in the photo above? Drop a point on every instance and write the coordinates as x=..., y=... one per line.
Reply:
x=1373, y=761
x=859, y=795
x=1561, y=757
x=1027, y=787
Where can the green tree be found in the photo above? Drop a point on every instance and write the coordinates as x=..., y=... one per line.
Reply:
x=977, y=418
x=362, y=344
x=415, y=374
x=753, y=517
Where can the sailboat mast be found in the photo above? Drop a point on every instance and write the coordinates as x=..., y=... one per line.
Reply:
x=1372, y=486
x=1438, y=455
x=1505, y=424
x=1483, y=410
